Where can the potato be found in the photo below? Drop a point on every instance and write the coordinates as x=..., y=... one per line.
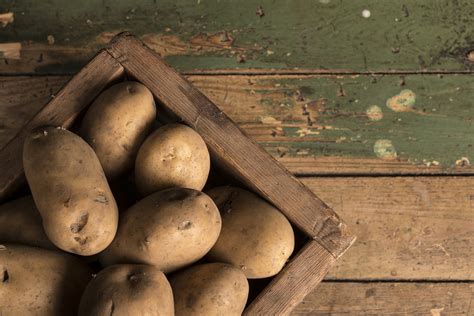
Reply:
x=168, y=229
x=116, y=124
x=173, y=156
x=20, y=222
x=128, y=289
x=210, y=289
x=255, y=235
x=70, y=190
x=37, y=281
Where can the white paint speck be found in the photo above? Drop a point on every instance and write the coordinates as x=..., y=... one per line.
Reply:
x=366, y=13
x=324, y=1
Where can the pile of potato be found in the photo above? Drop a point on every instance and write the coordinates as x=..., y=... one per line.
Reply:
x=177, y=250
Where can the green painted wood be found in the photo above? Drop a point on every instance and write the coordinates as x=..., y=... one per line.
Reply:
x=321, y=124
x=422, y=119
x=58, y=36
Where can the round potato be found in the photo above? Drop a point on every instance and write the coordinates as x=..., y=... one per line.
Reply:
x=128, y=289
x=70, y=190
x=172, y=156
x=116, y=124
x=20, y=222
x=211, y=289
x=36, y=281
x=255, y=235
x=168, y=229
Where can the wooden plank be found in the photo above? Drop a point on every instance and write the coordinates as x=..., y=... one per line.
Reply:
x=408, y=228
x=78, y=94
x=339, y=137
x=227, y=143
x=59, y=36
x=430, y=299
x=289, y=287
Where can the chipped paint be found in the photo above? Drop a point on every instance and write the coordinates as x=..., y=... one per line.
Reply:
x=464, y=161
x=402, y=102
x=384, y=149
x=304, y=131
x=269, y=120
x=374, y=113
x=10, y=50
x=6, y=18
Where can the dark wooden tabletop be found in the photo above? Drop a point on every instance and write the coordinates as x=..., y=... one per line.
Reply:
x=369, y=102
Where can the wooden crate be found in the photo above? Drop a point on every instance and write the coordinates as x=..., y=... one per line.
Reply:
x=229, y=147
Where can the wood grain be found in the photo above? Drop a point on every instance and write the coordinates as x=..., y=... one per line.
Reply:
x=340, y=139
x=82, y=89
x=430, y=299
x=231, y=147
x=289, y=287
x=408, y=228
x=60, y=36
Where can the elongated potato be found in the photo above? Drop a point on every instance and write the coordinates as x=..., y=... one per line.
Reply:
x=255, y=235
x=128, y=289
x=172, y=156
x=36, y=281
x=168, y=229
x=20, y=222
x=116, y=124
x=212, y=289
x=70, y=190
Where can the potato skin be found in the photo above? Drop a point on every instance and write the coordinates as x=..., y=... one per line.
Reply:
x=40, y=282
x=172, y=156
x=210, y=289
x=255, y=235
x=168, y=229
x=20, y=222
x=116, y=124
x=128, y=289
x=70, y=190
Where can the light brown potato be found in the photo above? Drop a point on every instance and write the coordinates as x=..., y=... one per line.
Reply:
x=172, y=156
x=128, y=289
x=168, y=229
x=20, y=222
x=35, y=281
x=211, y=289
x=70, y=190
x=116, y=124
x=255, y=235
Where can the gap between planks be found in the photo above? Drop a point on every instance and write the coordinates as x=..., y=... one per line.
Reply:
x=274, y=72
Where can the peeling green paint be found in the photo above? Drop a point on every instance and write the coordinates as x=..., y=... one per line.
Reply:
x=442, y=134
x=409, y=35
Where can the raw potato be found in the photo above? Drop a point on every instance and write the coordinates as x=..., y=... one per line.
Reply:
x=36, y=281
x=255, y=235
x=168, y=229
x=70, y=190
x=128, y=289
x=116, y=124
x=210, y=289
x=173, y=156
x=20, y=222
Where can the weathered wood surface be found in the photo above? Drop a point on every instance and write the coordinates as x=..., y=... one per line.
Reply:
x=430, y=299
x=59, y=36
x=306, y=123
x=408, y=228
